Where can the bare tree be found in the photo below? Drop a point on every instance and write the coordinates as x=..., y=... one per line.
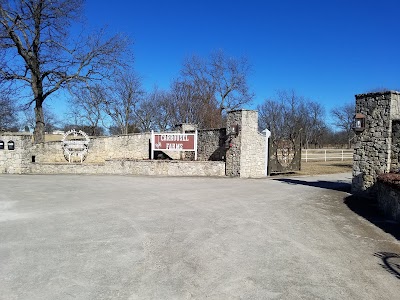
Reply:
x=122, y=102
x=160, y=106
x=343, y=118
x=220, y=81
x=289, y=117
x=88, y=108
x=183, y=97
x=145, y=114
x=230, y=76
x=163, y=109
x=38, y=52
x=153, y=112
x=8, y=109
x=85, y=128
x=271, y=117
x=52, y=121
x=191, y=104
x=293, y=113
x=314, y=124
x=8, y=113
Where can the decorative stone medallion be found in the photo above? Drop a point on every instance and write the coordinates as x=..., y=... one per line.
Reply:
x=75, y=144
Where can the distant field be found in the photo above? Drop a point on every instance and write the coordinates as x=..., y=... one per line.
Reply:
x=325, y=167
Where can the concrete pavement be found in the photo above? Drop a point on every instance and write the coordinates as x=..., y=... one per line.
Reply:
x=122, y=237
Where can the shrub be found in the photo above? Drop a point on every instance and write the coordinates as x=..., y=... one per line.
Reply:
x=392, y=179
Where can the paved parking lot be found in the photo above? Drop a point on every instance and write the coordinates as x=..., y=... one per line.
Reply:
x=121, y=237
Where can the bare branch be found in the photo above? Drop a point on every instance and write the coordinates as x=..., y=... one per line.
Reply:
x=36, y=32
x=223, y=77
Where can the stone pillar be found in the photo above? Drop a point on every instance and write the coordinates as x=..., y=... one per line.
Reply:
x=246, y=154
x=373, y=145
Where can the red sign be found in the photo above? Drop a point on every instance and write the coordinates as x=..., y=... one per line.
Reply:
x=175, y=141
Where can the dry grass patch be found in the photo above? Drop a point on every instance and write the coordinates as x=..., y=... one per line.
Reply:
x=325, y=167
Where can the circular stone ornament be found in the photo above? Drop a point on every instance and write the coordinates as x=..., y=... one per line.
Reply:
x=75, y=144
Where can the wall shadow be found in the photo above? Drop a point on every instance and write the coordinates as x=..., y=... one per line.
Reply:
x=368, y=209
x=349, y=165
x=340, y=186
x=365, y=207
x=390, y=262
x=161, y=155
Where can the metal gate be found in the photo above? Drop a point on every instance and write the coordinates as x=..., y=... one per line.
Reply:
x=284, y=156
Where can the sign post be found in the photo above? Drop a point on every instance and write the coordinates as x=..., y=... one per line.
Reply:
x=195, y=146
x=267, y=136
x=152, y=145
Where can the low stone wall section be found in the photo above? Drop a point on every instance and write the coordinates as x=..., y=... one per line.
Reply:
x=135, y=146
x=134, y=167
x=131, y=146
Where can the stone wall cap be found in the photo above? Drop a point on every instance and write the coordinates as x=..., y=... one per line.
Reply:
x=235, y=110
x=16, y=133
x=206, y=129
x=190, y=124
x=378, y=93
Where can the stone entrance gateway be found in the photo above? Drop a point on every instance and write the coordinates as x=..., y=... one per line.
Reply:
x=238, y=150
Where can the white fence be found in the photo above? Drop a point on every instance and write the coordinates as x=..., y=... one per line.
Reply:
x=326, y=154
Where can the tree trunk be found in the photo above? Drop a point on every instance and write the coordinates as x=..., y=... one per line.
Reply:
x=38, y=133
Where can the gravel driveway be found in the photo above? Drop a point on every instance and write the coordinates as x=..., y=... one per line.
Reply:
x=121, y=237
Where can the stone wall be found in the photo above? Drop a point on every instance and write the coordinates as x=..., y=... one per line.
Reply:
x=125, y=154
x=210, y=145
x=15, y=161
x=134, y=146
x=373, y=146
x=131, y=146
x=134, y=167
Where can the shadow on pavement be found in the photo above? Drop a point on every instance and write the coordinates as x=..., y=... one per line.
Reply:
x=390, y=262
x=330, y=185
x=368, y=209
x=364, y=207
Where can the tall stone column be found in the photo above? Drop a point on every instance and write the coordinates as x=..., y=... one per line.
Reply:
x=373, y=145
x=246, y=154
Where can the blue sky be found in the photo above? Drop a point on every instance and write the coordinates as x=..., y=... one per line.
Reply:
x=326, y=51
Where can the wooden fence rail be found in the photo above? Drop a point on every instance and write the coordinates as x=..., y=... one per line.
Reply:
x=326, y=154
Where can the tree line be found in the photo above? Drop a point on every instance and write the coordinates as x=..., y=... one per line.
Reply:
x=292, y=117
x=41, y=59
